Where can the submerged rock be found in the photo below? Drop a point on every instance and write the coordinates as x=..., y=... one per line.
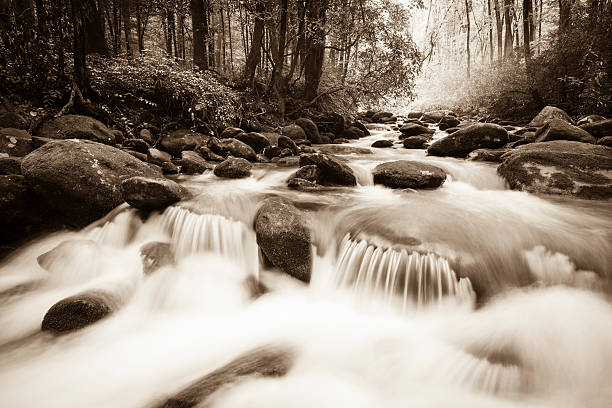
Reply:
x=284, y=236
x=233, y=167
x=150, y=194
x=548, y=113
x=81, y=178
x=76, y=127
x=269, y=361
x=155, y=255
x=333, y=171
x=78, y=311
x=468, y=139
x=408, y=174
x=560, y=167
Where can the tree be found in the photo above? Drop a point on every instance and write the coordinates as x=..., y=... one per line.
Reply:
x=256, y=42
x=315, y=47
x=199, y=46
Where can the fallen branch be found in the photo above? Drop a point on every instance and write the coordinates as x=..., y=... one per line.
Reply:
x=75, y=92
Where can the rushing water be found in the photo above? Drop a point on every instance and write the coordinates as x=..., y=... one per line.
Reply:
x=468, y=295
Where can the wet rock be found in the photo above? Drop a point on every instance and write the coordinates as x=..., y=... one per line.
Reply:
x=272, y=137
x=590, y=119
x=256, y=141
x=10, y=165
x=605, y=141
x=152, y=194
x=333, y=123
x=269, y=361
x=489, y=155
x=558, y=129
x=15, y=142
x=448, y=122
x=526, y=138
x=155, y=255
x=262, y=159
x=286, y=153
x=81, y=178
x=147, y=136
x=310, y=173
x=236, y=148
x=12, y=120
x=412, y=129
x=436, y=116
x=303, y=142
x=468, y=139
x=408, y=174
x=351, y=133
x=307, y=149
x=158, y=157
x=138, y=145
x=293, y=132
x=599, y=129
x=416, y=142
x=302, y=185
x=255, y=287
x=452, y=130
x=333, y=170
x=311, y=130
x=192, y=163
x=382, y=117
x=182, y=139
x=140, y=156
x=549, y=113
x=233, y=167
x=560, y=167
x=284, y=236
x=326, y=138
x=76, y=312
x=286, y=143
x=382, y=143
x=231, y=132
x=169, y=168
x=292, y=161
x=272, y=151
x=361, y=126
x=337, y=149
x=414, y=115
x=340, y=140
x=208, y=154
x=75, y=127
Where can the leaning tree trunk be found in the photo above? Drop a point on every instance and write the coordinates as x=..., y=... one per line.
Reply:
x=255, y=51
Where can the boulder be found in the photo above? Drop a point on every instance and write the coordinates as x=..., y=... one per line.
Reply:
x=292, y=161
x=408, y=174
x=152, y=194
x=147, y=136
x=489, y=155
x=182, y=139
x=361, y=126
x=155, y=255
x=10, y=165
x=548, y=113
x=383, y=143
x=286, y=143
x=158, y=157
x=192, y=163
x=310, y=128
x=302, y=185
x=590, y=119
x=414, y=115
x=293, y=132
x=599, y=129
x=285, y=153
x=333, y=123
x=560, y=167
x=340, y=140
x=605, y=141
x=272, y=151
x=15, y=142
x=169, y=168
x=326, y=138
x=284, y=236
x=81, y=178
x=351, y=133
x=310, y=173
x=436, y=116
x=140, y=156
x=138, y=145
x=78, y=311
x=525, y=138
x=231, y=132
x=416, y=142
x=381, y=117
x=236, y=148
x=12, y=120
x=208, y=154
x=233, y=167
x=256, y=141
x=269, y=361
x=119, y=137
x=339, y=149
x=558, y=129
x=413, y=129
x=75, y=127
x=468, y=139
x=271, y=136
x=333, y=171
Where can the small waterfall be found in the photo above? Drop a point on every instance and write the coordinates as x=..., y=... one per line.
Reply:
x=419, y=279
x=192, y=233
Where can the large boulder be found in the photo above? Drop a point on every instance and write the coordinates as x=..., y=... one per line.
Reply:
x=560, y=167
x=233, y=167
x=311, y=130
x=193, y=163
x=293, y=132
x=15, y=142
x=468, y=139
x=408, y=174
x=236, y=148
x=182, y=139
x=256, y=141
x=12, y=120
x=81, y=178
x=286, y=143
x=284, y=236
x=413, y=129
x=549, y=113
x=382, y=117
x=78, y=311
x=599, y=129
x=76, y=127
x=158, y=157
x=330, y=123
x=151, y=194
x=416, y=142
x=333, y=171
x=558, y=129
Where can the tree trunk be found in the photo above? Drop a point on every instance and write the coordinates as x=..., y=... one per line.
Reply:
x=490, y=32
x=279, y=61
x=526, y=29
x=315, y=47
x=127, y=27
x=498, y=22
x=565, y=12
x=255, y=51
x=508, y=51
x=467, y=41
x=78, y=14
x=199, y=46
x=169, y=24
